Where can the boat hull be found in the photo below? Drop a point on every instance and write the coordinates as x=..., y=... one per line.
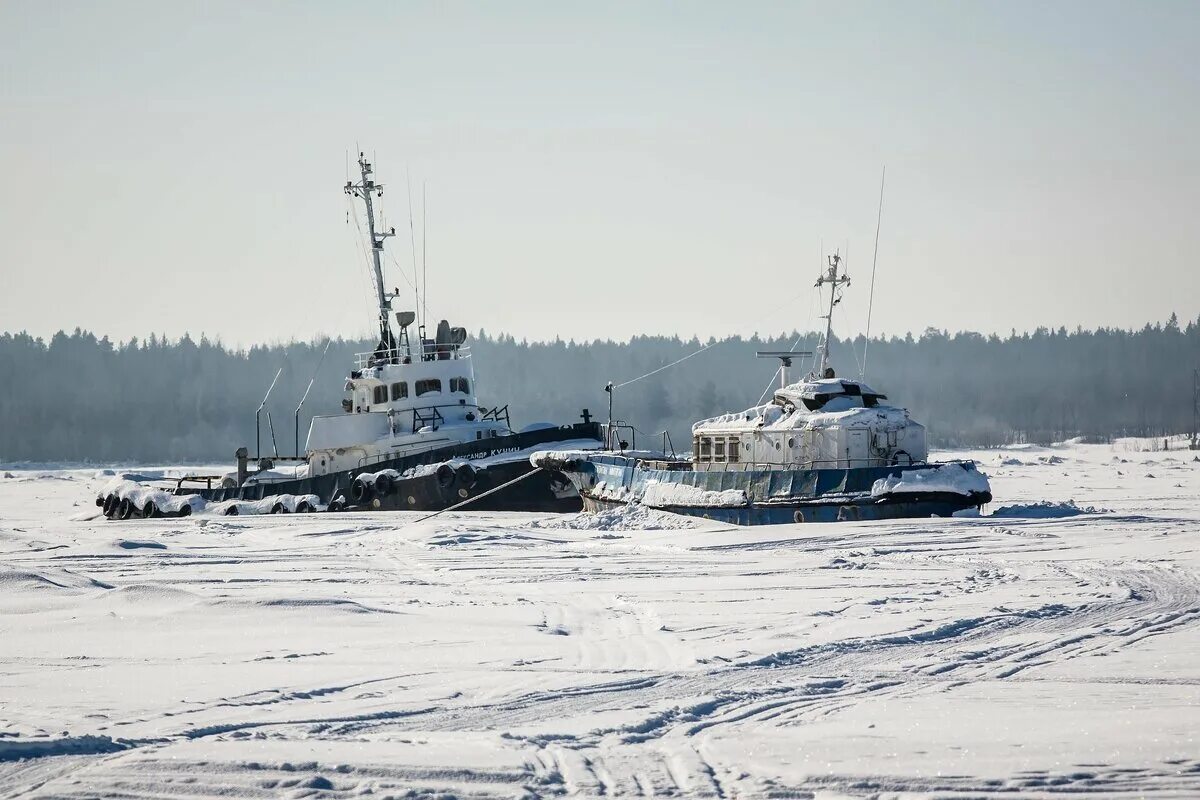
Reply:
x=764, y=496
x=545, y=491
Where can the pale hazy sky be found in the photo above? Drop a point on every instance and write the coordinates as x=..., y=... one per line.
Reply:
x=598, y=170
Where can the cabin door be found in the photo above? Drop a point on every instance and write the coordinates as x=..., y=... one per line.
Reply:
x=856, y=448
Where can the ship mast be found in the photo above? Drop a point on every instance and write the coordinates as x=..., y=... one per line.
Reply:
x=836, y=282
x=364, y=190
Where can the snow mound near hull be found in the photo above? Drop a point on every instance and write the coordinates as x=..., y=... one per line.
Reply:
x=961, y=479
x=1046, y=510
x=631, y=517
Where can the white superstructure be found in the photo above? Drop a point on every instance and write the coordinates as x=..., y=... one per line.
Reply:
x=820, y=422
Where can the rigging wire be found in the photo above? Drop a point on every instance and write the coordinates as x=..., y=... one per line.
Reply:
x=707, y=346
x=673, y=363
x=774, y=375
x=874, y=260
x=813, y=334
x=424, y=263
x=400, y=268
x=412, y=238
x=358, y=241
x=853, y=349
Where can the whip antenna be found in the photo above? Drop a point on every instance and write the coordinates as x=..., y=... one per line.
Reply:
x=424, y=264
x=874, y=260
x=412, y=240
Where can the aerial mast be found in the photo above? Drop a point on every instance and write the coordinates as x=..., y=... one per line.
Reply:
x=836, y=282
x=365, y=190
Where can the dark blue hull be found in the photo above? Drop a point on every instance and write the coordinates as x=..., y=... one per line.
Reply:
x=543, y=492
x=761, y=496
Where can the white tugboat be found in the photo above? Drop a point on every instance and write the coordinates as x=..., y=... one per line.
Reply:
x=410, y=434
x=401, y=398
x=823, y=449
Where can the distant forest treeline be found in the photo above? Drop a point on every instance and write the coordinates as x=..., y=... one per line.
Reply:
x=77, y=397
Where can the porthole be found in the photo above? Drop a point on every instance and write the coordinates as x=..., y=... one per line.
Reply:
x=778, y=446
x=791, y=442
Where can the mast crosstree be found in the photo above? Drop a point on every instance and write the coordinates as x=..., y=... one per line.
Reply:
x=836, y=282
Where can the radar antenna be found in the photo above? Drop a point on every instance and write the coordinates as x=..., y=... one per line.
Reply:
x=836, y=282
x=367, y=189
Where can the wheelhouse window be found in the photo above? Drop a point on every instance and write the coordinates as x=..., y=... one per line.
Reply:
x=460, y=385
x=381, y=394
x=428, y=385
x=705, y=448
x=399, y=390
x=733, y=450
x=719, y=450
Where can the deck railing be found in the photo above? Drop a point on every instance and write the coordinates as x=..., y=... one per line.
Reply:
x=409, y=355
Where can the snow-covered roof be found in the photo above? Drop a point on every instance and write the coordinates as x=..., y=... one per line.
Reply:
x=837, y=412
x=810, y=403
x=824, y=388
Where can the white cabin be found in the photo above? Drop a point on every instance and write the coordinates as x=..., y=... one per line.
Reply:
x=403, y=401
x=818, y=423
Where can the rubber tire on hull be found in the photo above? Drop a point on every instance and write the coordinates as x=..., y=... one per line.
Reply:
x=361, y=491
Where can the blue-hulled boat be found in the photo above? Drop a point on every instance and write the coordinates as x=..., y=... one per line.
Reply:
x=824, y=449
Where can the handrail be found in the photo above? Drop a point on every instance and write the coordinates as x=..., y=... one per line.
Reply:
x=433, y=418
x=407, y=355
x=404, y=410
x=820, y=463
x=207, y=479
x=495, y=414
x=431, y=455
x=612, y=431
x=668, y=464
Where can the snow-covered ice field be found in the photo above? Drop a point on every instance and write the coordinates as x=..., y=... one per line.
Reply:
x=333, y=655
